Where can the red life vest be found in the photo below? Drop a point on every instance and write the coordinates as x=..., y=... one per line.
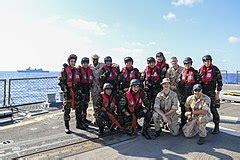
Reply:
x=128, y=76
x=86, y=75
x=133, y=102
x=113, y=72
x=70, y=79
x=151, y=73
x=106, y=101
x=188, y=76
x=162, y=65
x=206, y=74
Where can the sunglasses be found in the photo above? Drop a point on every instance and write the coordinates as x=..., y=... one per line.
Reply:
x=197, y=90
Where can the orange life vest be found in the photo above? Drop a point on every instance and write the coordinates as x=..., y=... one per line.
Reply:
x=72, y=78
x=151, y=73
x=206, y=74
x=133, y=102
x=86, y=75
x=129, y=74
x=113, y=72
x=108, y=100
x=188, y=76
x=162, y=65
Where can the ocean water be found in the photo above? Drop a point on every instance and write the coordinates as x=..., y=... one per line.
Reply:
x=29, y=91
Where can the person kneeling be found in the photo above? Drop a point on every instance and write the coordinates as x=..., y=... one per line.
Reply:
x=132, y=108
x=165, y=107
x=198, y=114
x=106, y=109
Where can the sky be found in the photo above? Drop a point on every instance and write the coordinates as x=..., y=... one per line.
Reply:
x=42, y=33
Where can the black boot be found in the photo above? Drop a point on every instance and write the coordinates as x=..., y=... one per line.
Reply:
x=85, y=120
x=146, y=134
x=100, y=131
x=139, y=127
x=80, y=125
x=67, y=130
x=216, y=129
x=201, y=140
x=157, y=133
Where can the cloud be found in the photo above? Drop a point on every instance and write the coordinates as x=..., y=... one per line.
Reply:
x=234, y=40
x=185, y=2
x=90, y=26
x=123, y=50
x=39, y=43
x=151, y=43
x=139, y=44
x=169, y=16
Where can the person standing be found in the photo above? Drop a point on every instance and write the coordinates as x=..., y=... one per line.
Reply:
x=127, y=74
x=211, y=80
x=96, y=88
x=188, y=78
x=70, y=85
x=152, y=76
x=173, y=73
x=86, y=84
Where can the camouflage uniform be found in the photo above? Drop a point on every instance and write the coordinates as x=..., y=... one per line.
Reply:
x=174, y=76
x=96, y=88
x=197, y=124
x=163, y=104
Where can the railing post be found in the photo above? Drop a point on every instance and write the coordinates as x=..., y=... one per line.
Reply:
x=9, y=92
x=226, y=75
x=4, y=94
x=237, y=76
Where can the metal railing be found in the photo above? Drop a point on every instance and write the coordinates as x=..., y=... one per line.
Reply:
x=226, y=76
x=2, y=92
x=238, y=77
x=23, y=91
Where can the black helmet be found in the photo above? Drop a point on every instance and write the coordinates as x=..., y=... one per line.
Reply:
x=107, y=86
x=197, y=86
x=108, y=58
x=159, y=54
x=72, y=56
x=150, y=59
x=206, y=57
x=85, y=60
x=187, y=60
x=128, y=59
x=134, y=82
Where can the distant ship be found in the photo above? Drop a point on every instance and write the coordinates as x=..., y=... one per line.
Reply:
x=32, y=70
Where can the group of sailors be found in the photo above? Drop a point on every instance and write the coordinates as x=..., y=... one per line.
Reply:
x=122, y=97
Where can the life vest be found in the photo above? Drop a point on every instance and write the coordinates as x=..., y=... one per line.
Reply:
x=129, y=74
x=151, y=74
x=86, y=75
x=108, y=100
x=162, y=65
x=133, y=102
x=188, y=76
x=70, y=78
x=113, y=72
x=206, y=74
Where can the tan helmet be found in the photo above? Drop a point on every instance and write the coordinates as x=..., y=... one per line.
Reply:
x=95, y=56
